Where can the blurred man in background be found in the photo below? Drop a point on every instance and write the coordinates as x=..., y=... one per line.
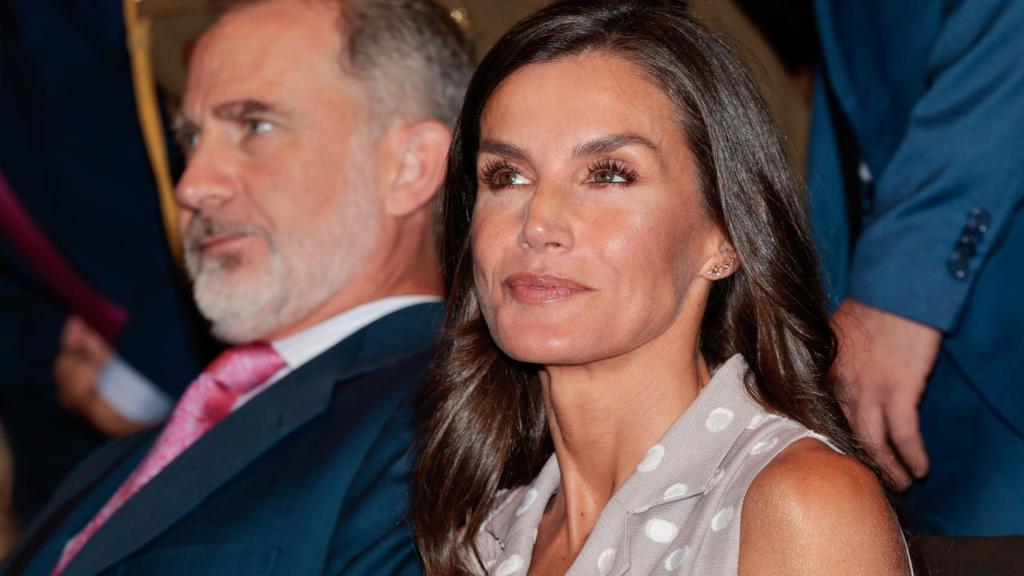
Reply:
x=917, y=197
x=71, y=151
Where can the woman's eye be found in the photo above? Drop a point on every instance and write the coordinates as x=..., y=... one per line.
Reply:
x=502, y=174
x=611, y=172
x=508, y=178
x=608, y=177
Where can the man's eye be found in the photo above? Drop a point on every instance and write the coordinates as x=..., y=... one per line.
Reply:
x=188, y=141
x=256, y=126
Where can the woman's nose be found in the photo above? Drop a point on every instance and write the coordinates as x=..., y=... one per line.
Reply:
x=546, y=222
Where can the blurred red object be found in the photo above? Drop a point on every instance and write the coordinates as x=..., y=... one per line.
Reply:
x=105, y=316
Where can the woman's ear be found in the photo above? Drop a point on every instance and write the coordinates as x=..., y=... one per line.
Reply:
x=418, y=153
x=722, y=264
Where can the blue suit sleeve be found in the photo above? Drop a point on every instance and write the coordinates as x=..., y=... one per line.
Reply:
x=950, y=191
x=373, y=536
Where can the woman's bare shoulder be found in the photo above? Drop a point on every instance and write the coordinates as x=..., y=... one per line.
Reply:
x=813, y=510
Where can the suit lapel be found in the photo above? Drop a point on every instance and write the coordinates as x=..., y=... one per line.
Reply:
x=249, y=432
x=87, y=476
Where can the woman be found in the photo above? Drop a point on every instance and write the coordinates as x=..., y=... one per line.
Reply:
x=633, y=375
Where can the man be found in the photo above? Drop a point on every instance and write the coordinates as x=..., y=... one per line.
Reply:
x=917, y=189
x=72, y=153
x=316, y=139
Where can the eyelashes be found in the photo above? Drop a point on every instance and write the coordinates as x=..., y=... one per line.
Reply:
x=605, y=171
x=498, y=174
x=494, y=170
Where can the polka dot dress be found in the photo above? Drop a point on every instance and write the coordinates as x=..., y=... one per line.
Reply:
x=679, y=513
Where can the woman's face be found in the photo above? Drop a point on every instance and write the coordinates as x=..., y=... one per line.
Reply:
x=587, y=231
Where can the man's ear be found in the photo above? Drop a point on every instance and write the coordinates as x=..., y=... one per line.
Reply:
x=417, y=155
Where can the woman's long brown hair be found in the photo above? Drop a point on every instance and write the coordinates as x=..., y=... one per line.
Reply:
x=485, y=427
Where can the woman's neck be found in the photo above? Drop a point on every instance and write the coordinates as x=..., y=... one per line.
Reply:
x=604, y=417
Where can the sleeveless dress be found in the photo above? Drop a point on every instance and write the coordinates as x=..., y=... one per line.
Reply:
x=679, y=512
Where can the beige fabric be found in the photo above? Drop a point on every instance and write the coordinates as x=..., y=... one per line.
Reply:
x=679, y=513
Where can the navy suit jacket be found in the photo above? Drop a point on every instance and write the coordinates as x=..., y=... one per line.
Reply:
x=309, y=477
x=932, y=94
x=71, y=147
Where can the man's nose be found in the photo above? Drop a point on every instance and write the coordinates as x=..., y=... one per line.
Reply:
x=546, y=221
x=210, y=178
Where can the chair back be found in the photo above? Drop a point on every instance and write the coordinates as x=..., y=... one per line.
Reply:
x=8, y=524
x=967, y=555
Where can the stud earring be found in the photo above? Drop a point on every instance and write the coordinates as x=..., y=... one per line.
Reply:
x=718, y=269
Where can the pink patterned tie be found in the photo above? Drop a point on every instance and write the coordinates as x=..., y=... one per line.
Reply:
x=208, y=399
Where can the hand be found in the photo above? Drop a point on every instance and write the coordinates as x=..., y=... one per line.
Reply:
x=883, y=366
x=82, y=354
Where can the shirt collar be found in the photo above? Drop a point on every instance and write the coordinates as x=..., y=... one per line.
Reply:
x=300, y=348
x=685, y=462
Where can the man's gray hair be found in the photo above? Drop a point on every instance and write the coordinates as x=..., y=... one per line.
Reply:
x=412, y=56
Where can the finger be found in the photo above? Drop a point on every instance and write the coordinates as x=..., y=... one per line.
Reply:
x=905, y=434
x=71, y=336
x=75, y=378
x=94, y=344
x=872, y=430
x=70, y=391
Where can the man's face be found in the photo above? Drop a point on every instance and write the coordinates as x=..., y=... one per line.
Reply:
x=278, y=206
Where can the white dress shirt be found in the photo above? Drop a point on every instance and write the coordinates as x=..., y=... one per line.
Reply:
x=300, y=348
x=136, y=398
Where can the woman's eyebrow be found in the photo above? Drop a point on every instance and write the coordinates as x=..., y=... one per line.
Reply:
x=502, y=148
x=596, y=147
x=611, y=143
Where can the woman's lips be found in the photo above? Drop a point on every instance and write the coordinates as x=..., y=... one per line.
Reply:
x=542, y=288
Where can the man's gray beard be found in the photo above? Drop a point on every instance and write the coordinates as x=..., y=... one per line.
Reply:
x=290, y=283
x=238, y=313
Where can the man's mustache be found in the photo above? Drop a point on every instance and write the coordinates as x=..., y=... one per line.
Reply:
x=205, y=227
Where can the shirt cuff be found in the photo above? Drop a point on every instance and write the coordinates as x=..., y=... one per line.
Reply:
x=131, y=394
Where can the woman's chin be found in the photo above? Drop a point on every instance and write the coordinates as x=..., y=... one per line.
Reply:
x=545, y=351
